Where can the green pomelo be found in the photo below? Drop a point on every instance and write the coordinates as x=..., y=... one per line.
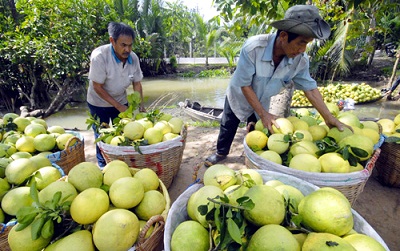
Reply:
x=362, y=242
x=333, y=109
x=117, y=140
x=4, y=187
x=235, y=192
x=8, y=149
x=200, y=197
x=396, y=119
x=356, y=168
x=34, y=129
x=40, y=161
x=153, y=135
x=116, y=230
x=334, y=163
x=318, y=132
x=259, y=126
x=304, y=146
x=339, y=135
x=146, y=123
x=133, y=130
x=22, y=240
x=45, y=176
x=285, y=126
x=372, y=134
x=39, y=121
x=190, y=235
x=269, y=206
x=276, y=142
x=220, y=176
x=303, y=112
x=169, y=136
x=149, y=179
x=371, y=124
x=274, y=183
x=326, y=211
x=273, y=237
x=163, y=126
x=326, y=242
x=361, y=142
x=19, y=170
x=291, y=194
x=9, y=117
x=85, y=175
x=271, y=156
x=176, y=124
x=25, y=144
x=309, y=120
x=246, y=174
x=303, y=135
x=126, y=192
x=65, y=140
x=305, y=162
x=349, y=118
x=20, y=155
x=115, y=170
x=21, y=123
x=89, y=205
x=150, y=230
x=44, y=142
x=165, y=116
x=11, y=137
x=300, y=125
x=300, y=237
x=153, y=203
x=2, y=216
x=256, y=140
x=80, y=240
x=68, y=191
x=56, y=129
x=15, y=199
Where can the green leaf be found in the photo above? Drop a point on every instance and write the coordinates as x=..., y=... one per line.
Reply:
x=392, y=139
x=34, y=193
x=203, y=209
x=234, y=231
x=359, y=152
x=21, y=226
x=26, y=215
x=48, y=229
x=37, y=226
x=56, y=198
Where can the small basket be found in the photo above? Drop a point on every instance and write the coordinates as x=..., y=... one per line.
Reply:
x=387, y=166
x=70, y=156
x=350, y=184
x=163, y=158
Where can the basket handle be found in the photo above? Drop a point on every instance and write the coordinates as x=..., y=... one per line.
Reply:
x=67, y=149
x=153, y=220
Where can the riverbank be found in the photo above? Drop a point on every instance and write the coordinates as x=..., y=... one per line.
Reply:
x=378, y=204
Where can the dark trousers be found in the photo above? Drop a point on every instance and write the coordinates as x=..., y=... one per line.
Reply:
x=105, y=114
x=228, y=128
x=395, y=84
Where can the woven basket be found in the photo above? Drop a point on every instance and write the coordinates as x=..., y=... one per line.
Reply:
x=350, y=184
x=178, y=212
x=164, y=158
x=70, y=156
x=388, y=166
x=4, y=230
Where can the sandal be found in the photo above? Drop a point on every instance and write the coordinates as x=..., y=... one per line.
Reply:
x=214, y=159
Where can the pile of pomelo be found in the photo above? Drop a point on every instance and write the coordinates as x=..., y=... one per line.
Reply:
x=332, y=93
x=304, y=142
x=90, y=209
x=142, y=130
x=237, y=210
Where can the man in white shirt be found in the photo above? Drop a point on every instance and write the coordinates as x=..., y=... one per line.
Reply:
x=113, y=68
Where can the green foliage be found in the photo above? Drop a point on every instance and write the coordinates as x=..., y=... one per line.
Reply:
x=173, y=62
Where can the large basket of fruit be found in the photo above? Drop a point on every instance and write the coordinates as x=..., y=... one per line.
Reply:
x=72, y=151
x=238, y=219
x=164, y=157
x=75, y=211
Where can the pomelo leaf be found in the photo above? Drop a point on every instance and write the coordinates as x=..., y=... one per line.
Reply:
x=359, y=152
x=234, y=231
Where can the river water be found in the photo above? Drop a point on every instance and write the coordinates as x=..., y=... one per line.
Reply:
x=207, y=91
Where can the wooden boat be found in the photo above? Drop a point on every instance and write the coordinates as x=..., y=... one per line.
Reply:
x=201, y=113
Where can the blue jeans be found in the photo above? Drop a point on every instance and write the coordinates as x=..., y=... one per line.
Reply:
x=228, y=128
x=105, y=114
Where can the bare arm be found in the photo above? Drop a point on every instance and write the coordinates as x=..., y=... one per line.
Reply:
x=98, y=88
x=137, y=87
x=315, y=98
x=267, y=118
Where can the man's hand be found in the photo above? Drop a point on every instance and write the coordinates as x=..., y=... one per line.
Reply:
x=121, y=108
x=268, y=120
x=334, y=122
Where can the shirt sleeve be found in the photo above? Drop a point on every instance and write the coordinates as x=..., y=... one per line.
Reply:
x=97, y=70
x=245, y=70
x=303, y=80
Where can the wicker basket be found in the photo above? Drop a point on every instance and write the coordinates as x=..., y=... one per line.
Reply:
x=70, y=156
x=164, y=158
x=4, y=230
x=388, y=166
x=178, y=212
x=350, y=184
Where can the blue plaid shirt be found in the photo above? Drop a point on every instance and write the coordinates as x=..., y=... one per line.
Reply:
x=256, y=68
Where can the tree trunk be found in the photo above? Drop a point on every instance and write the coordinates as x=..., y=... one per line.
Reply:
x=14, y=13
x=393, y=73
x=280, y=103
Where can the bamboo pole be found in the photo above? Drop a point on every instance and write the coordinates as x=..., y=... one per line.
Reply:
x=394, y=70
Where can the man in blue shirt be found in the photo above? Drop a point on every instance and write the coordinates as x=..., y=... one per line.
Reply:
x=266, y=66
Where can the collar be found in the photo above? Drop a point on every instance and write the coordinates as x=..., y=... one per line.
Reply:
x=117, y=59
x=269, y=50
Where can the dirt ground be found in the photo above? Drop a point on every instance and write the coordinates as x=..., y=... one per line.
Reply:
x=379, y=205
